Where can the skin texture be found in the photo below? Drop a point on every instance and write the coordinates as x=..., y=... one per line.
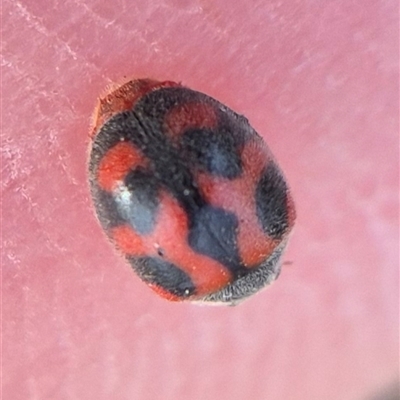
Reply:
x=320, y=84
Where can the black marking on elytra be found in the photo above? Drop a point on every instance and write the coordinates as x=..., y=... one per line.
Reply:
x=158, y=103
x=234, y=125
x=213, y=233
x=153, y=270
x=271, y=198
x=107, y=213
x=137, y=200
x=143, y=127
x=108, y=136
x=166, y=164
x=214, y=152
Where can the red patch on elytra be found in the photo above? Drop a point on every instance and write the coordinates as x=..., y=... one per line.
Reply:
x=170, y=235
x=123, y=98
x=238, y=196
x=116, y=163
x=189, y=115
x=128, y=241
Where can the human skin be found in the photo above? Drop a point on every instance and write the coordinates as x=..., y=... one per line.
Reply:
x=319, y=81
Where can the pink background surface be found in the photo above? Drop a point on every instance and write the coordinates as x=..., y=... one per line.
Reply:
x=319, y=81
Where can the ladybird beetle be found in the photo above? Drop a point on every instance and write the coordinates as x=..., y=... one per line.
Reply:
x=188, y=192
